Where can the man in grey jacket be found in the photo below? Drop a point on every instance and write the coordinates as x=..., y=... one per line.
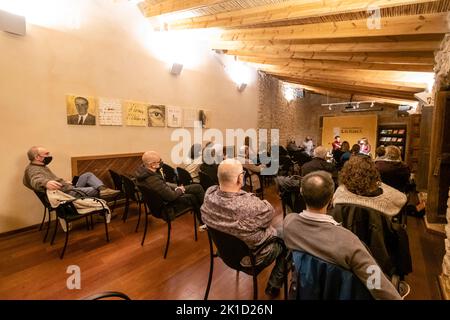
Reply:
x=316, y=233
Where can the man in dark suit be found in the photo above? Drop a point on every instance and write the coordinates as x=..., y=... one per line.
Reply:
x=83, y=117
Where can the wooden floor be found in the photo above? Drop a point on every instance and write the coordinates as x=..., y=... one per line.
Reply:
x=31, y=269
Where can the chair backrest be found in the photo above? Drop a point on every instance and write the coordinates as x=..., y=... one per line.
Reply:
x=154, y=202
x=43, y=197
x=316, y=279
x=130, y=188
x=205, y=180
x=294, y=200
x=230, y=248
x=169, y=173
x=106, y=295
x=184, y=177
x=117, y=180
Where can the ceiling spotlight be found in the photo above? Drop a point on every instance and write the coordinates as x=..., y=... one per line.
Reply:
x=372, y=104
x=329, y=107
x=357, y=105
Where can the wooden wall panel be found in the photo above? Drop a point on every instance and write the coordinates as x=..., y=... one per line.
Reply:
x=100, y=164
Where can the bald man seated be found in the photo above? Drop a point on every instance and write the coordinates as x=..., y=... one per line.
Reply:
x=149, y=176
x=231, y=210
x=39, y=177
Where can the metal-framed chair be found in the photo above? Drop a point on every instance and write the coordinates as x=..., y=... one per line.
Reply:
x=205, y=180
x=184, y=177
x=169, y=174
x=107, y=295
x=118, y=185
x=161, y=210
x=132, y=194
x=232, y=250
x=69, y=213
x=250, y=188
x=47, y=209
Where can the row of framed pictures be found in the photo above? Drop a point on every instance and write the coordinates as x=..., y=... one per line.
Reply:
x=82, y=110
x=391, y=139
x=393, y=131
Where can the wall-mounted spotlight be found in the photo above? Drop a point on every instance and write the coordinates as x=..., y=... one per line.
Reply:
x=241, y=87
x=12, y=23
x=176, y=69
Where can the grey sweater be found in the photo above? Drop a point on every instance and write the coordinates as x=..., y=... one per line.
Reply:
x=334, y=244
x=36, y=177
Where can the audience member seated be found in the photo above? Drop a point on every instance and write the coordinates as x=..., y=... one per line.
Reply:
x=380, y=152
x=39, y=177
x=318, y=234
x=308, y=145
x=319, y=163
x=292, y=146
x=231, y=210
x=253, y=169
x=193, y=162
x=179, y=197
x=212, y=156
x=342, y=155
x=393, y=171
x=366, y=206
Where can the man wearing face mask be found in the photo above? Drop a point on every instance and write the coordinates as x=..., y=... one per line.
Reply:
x=39, y=177
x=179, y=197
x=229, y=209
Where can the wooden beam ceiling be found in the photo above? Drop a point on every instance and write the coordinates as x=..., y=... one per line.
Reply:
x=426, y=58
x=435, y=23
x=325, y=64
x=327, y=45
x=286, y=11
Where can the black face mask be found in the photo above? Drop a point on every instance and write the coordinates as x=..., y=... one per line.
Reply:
x=47, y=160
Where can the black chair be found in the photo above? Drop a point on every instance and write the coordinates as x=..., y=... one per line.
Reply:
x=161, y=210
x=118, y=185
x=106, y=295
x=47, y=208
x=69, y=213
x=231, y=250
x=205, y=180
x=250, y=188
x=292, y=200
x=169, y=173
x=285, y=166
x=131, y=194
x=184, y=177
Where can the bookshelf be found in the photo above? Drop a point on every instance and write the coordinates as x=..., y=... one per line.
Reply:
x=392, y=135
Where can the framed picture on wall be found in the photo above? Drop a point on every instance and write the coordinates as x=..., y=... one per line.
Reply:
x=109, y=112
x=81, y=110
x=156, y=115
x=174, y=116
x=136, y=113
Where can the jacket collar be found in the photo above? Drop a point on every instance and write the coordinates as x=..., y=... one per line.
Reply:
x=318, y=217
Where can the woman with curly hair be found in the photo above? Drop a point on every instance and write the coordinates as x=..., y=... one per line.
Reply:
x=365, y=206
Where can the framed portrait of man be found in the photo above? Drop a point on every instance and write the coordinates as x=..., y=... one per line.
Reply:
x=81, y=110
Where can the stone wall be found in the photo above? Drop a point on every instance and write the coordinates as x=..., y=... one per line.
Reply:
x=302, y=116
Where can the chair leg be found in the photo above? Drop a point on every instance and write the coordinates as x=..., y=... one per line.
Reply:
x=145, y=228
x=106, y=226
x=168, y=238
x=43, y=218
x=255, y=288
x=92, y=222
x=195, y=226
x=48, y=225
x=87, y=222
x=67, y=240
x=54, y=232
x=125, y=213
x=286, y=286
x=139, y=218
x=211, y=268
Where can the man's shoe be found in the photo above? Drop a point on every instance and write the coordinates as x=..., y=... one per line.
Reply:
x=272, y=292
x=107, y=192
x=203, y=228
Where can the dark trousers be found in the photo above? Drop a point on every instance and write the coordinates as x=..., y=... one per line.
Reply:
x=193, y=197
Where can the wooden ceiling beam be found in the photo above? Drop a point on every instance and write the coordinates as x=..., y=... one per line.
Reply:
x=170, y=6
x=286, y=11
x=352, y=82
x=426, y=58
x=327, y=64
x=433, y=23
x=376, y=46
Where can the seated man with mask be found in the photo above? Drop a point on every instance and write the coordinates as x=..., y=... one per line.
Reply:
x=148, y=175
x=39, y=177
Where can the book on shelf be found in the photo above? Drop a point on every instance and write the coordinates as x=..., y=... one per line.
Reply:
x=401, y=131
x=395, y=132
